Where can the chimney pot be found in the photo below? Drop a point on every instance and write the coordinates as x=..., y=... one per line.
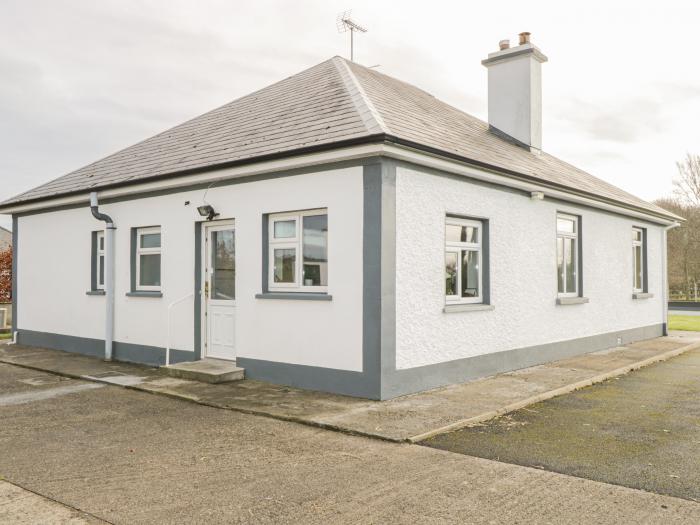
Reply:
x=504, y=44
x=524, y=38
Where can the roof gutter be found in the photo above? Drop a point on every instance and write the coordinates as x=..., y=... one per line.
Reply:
x=374, y=145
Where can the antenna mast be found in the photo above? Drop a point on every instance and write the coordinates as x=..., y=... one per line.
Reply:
x=344, y=23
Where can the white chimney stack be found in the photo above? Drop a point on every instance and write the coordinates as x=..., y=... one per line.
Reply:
x=515, y=92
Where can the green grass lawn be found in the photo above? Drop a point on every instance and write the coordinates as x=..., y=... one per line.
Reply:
x=684, y=322
x=6, y=336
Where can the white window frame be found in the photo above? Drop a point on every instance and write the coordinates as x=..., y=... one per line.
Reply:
x=639, y=243
x=146, y=251
x=99, y=256
x=457, y=247
x=297, y=243
x=577, y=255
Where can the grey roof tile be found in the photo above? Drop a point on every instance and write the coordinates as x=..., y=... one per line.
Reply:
x=334, y=101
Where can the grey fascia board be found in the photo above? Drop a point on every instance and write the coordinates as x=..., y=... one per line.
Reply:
x=642, y=295
x=95, y=292
x=572, y=300
x=144, y=293
x=295, y=296
x=468, y=307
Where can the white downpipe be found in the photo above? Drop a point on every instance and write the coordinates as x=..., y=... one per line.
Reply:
x=664, y=274
x=170, y=307
x=109, y=273
x=109, y=290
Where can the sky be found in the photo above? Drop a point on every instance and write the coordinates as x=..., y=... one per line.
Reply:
x=81, y=79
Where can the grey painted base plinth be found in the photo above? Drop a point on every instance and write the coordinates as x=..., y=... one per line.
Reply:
x=128, y=352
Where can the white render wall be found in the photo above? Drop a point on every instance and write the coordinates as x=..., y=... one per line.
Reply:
x=54, y=272
x=523, y=272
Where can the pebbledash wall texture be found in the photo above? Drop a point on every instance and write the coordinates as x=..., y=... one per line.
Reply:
x=522, y=269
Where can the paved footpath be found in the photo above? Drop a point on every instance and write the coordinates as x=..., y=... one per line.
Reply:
x=126, y=456
x=408, y=418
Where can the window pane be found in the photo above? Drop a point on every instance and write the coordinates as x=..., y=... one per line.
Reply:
x=570, y=265
x=566, y=225
x=470, y=273
x=149, y=273
x=102, y=243
x=285, y=229
x=560, y=265
x=101, y=266
x=223, y=265
x=150, y=240
x=636, y=235
x=458, y=233
x=285, y=263
x=451, y=273
x=637, y=254
x=315, y=250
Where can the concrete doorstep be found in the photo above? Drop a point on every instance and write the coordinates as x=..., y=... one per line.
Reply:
x=406, y=419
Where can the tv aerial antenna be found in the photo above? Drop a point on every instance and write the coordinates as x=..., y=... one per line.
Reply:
x=344, y=24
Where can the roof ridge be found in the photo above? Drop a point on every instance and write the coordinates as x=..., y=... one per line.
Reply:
x=371, y=118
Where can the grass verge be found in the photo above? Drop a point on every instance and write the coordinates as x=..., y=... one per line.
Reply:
x=684, y=322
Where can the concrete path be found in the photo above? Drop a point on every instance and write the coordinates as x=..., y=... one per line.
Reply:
x=19, y=506
x=128, y=457
x=409, y=418
x=641, y=430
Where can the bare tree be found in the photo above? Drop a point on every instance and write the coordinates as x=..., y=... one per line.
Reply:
x=686, y=186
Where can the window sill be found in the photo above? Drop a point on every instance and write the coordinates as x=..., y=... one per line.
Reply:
x=295, y=296
x=571, y=300
x=467, y=307
x=144, y=294
x=642, y=295
x=95, y=292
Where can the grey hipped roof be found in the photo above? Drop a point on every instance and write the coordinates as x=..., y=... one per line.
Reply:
x=334, y=103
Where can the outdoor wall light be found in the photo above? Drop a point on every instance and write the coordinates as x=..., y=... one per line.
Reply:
x=207, y=211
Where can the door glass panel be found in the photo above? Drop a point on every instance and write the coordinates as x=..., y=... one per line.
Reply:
x=149, y=274
x=470, y=273
x=315, y=250
x=570, y=262
x=560, y=265
x=223, y=265
x=285, y=263
x=285, y=229
x=451, y=273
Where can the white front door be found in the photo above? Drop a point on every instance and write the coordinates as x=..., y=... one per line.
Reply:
x=219, y=289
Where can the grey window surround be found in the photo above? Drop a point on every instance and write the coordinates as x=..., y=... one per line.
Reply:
x=144, y=293
x=95, y=292
x=485, y=258
x=295, y=296
x=563, y=301
x=642, y=295
x=467, y=307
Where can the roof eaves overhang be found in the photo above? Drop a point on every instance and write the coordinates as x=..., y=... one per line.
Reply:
x=450, y=162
